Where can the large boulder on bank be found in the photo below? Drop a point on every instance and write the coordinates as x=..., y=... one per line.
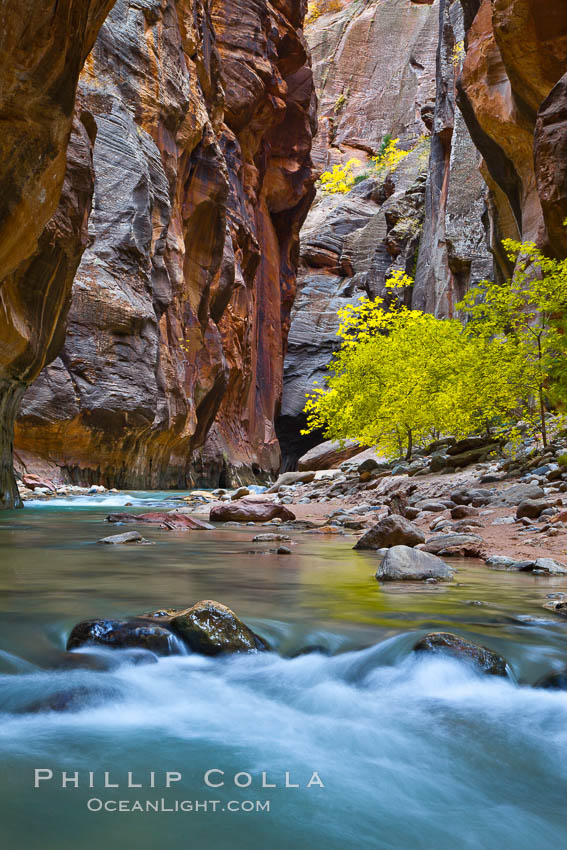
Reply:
x=211, y=628
x=123, y=634
x=393, y=530
x=531, y=508
x=549, y=566
x=456, y=545
x=475, y=496
x=287, y=478
x=402, y=563
x=481, y=657
x=465, y=458
x=328, y=455
x=244, y=511
x=517, y=493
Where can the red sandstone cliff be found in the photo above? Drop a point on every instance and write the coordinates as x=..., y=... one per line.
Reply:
x=181, y=302
x=45, y=160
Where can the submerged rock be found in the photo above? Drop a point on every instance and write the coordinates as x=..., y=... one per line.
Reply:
x=503, y=562
x=393, y=530
x=559, y=606
x=211, y=628
x=481, y=657
x=270, y=537
x=556, y=681
x=402, y=563
x=249, y=512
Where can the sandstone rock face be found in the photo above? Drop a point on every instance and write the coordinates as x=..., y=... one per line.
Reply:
x=45, y=160
x=181, y=303
x=454, y=252
x=374, y=66
x=511, y=96
x=384, y=68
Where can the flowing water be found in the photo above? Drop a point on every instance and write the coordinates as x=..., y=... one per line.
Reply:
x=413, y=751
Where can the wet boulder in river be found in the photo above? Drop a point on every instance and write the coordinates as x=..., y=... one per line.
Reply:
x=393, y=530
x=554, y=681
x=122, y=634
x=402, y=563
x=481, y=657
x=211, y=628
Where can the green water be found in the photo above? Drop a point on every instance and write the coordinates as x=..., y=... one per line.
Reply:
x=414, y=752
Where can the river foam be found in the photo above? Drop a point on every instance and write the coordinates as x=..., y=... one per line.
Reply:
x=417, y=752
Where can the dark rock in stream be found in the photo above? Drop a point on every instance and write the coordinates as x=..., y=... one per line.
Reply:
x=119, y=634
x=211, y=628
x=555, y=681
x=481, y=657
x=208, y=628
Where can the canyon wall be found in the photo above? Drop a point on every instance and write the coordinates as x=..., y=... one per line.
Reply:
x=487, y=80
x=46, y=184
x=512, y=95
x=395, y=74
x=180, y=305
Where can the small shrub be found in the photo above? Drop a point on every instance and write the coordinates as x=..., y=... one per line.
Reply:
x=340, y=179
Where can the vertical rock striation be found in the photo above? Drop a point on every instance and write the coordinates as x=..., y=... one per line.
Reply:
x=513, y=100
x=454, y=252
x=181, y=303
x=46, y=184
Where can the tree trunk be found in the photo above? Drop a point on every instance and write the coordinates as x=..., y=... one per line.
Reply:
x=410, y=444
x=542, y=417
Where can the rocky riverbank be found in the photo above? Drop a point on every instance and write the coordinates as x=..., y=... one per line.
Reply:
x=505, y=509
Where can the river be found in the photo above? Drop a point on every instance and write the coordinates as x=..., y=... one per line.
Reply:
x=412, y=751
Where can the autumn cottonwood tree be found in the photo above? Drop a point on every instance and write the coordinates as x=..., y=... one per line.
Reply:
x=527, y=317
x=401, y=375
